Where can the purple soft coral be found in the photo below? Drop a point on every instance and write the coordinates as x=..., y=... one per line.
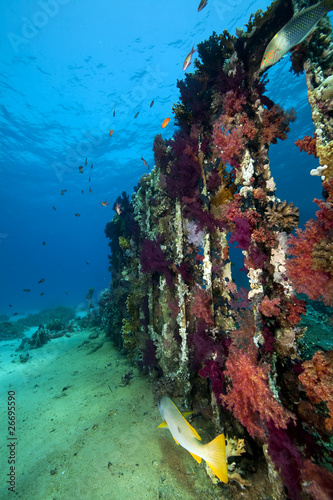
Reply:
x=153, y=260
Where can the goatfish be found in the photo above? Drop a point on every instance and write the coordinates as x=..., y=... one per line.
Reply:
x=294, y=32
x=184, y=434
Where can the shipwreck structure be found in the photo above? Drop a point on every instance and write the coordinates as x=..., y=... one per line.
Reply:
x=174, y=305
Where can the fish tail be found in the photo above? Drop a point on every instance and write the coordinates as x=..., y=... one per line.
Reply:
x=216, y=458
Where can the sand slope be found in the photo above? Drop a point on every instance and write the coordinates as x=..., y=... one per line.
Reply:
x=82, y=436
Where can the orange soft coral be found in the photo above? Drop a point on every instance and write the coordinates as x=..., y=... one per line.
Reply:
x=317, y=380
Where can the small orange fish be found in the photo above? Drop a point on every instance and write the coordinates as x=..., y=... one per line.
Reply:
x=41, y=281
x=54, y=208
x=110, y=134
x=85, y=162
x=202, y=4
x=151, y=104
x=144, y=162
x=136, y=114
x=165, y=122
x=104, y=203
x=117, y=208
x=188, y=58
x=90, y=191
x=81, y=169
x=77, y=215
x=63, y=191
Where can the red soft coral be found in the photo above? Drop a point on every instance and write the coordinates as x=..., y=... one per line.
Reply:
x=275, y=124
x=317, y=380
x=248, y=126
x=270, y=308
x=228, y=139
x=233, y=102
x=315, y=283
x=201, y=306
x=250, y=397
x=310, y=248
x=296, y=308
x=299, y=268
x=307, y=144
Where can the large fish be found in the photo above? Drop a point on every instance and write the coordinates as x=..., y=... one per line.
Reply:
x=294, y=32
x=185, y=435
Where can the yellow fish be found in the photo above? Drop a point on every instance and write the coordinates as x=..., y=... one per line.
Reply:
x=294, y=32
x=185, y=435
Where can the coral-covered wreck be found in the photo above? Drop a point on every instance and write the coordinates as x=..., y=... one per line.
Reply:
x=173, y=304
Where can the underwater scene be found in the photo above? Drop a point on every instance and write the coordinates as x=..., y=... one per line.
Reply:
x=166, y=242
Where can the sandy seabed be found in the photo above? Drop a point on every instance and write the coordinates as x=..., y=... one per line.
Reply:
x=81, y=435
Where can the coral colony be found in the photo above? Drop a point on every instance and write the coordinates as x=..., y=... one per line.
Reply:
x=174, y=305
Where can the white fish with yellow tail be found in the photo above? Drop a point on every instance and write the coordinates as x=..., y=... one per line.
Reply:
x=185, y=435
x=294, y=32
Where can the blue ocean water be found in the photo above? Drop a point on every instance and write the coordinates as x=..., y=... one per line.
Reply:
x=71, y=71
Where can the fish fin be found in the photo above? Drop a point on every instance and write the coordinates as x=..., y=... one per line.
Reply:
x=215, y=457
x=175, y=440
x=187, y=413
x=198, y=459
x=162, y=425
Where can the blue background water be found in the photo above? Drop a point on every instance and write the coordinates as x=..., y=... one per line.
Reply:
x=65, y=66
